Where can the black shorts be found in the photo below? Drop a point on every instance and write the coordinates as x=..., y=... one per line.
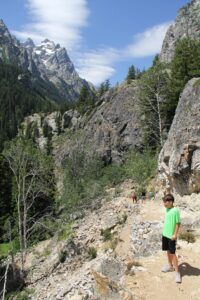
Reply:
x=168, y=245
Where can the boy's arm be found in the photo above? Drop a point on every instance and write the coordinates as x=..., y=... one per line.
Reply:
x=174, y=236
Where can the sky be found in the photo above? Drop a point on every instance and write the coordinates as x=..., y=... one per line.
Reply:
x=103, y=37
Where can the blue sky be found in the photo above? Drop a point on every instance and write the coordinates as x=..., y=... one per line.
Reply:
x=103, y=37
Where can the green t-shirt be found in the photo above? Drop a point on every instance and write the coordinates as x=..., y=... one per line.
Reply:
x=172, y=217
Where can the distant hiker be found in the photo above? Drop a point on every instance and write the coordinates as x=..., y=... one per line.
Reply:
x=143, y=196
x=134, y=197
x=151, y=195
x=169, y=235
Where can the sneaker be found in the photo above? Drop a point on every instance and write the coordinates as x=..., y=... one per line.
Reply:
x=178, y=277
x=166, y=269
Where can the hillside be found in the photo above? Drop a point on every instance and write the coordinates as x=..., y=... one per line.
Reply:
x=126, y=263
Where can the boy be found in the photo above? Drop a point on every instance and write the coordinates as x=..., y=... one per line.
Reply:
x=170, y=232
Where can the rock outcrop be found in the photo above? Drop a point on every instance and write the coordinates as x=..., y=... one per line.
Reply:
x=186, y=25
x=111, y=129
x=179, y=160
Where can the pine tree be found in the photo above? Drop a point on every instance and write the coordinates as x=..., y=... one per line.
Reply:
x=131, y=74
x=185, y=65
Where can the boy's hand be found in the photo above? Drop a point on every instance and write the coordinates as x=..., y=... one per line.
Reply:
x=174, y=237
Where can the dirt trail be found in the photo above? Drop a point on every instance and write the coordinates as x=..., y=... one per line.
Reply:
x=152, y=284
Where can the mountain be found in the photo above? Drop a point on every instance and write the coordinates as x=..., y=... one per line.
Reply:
x=47, y=61
x=186, y=25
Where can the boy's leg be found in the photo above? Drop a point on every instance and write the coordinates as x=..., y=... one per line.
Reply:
x=173, y=261
x=170, y=258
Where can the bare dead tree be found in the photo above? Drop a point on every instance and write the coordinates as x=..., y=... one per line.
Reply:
x=153, y=92
x=33, y=181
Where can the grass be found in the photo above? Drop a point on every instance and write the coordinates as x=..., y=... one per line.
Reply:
x=65, y=232
x=5, y=248
x=187, y=236
x=92, y=252
x=107, y=235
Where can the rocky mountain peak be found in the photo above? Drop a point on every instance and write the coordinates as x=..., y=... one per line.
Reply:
x=29, y=43
x=186, y=25
x=4, y=32
x=48, y=61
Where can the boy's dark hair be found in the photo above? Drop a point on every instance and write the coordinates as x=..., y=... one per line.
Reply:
x=169, y=197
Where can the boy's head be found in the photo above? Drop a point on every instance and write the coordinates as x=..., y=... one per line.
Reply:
x=168, y=200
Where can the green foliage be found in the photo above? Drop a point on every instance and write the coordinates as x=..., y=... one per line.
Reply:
x=107, y=235
x=112, y=174
x=153, y=99
x=187, y=236
x=32, y=187
x=185, y=65
x=131, y=74
x=18, y=98
x=6, y=203
x=86, y=177
x=104, y=87
x=141, y=167
x=22, y=295
x=85, y=101
x=65, y=232
x=92, y=252
x=5, y=249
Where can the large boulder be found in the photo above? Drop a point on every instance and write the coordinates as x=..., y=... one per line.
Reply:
x=179, y=160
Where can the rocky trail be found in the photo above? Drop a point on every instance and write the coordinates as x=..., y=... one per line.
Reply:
x=151, y=283
x=128, y=265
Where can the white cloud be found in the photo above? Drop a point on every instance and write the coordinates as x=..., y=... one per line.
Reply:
x=96, y=66
x=57, y=20
x=62, y=21
x=148, y=42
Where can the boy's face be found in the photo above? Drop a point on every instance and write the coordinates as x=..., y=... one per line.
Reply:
x=168, y=203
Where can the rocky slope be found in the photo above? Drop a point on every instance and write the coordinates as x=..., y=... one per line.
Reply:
x=111, y=129
x=127, y=263
x=186, y=25
x=179, y=161
x=47, y=61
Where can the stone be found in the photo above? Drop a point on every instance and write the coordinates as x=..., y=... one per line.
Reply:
x=179, y=159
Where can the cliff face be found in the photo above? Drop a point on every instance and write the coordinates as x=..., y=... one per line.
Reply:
x=179, y=161
x=187, y=24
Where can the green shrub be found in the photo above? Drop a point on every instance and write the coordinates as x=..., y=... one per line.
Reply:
x=65, y=232
x=107, y=235
x=187, y=236
x=140, y=167
x=92, y=252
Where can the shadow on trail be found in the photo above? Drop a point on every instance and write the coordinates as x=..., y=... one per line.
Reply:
x=187, y=270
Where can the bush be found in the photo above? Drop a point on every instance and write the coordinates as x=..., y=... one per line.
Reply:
x=140, y=167
x=187, y=236
x=65, y=232
x=107, y=235
x=85, y=179
x=92, y=252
